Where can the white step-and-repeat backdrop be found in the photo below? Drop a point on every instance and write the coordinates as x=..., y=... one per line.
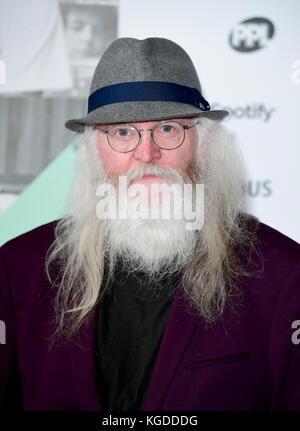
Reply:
x=247, y=54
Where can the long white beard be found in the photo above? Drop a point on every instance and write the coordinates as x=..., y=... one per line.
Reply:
x=155, y=246
x=151, y=244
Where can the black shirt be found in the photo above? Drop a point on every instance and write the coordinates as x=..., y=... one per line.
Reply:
x=131, y=319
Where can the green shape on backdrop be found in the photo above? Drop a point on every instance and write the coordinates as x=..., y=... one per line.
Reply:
x=44, y=199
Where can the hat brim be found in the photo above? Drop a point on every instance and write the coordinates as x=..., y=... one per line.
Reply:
x=132, y=112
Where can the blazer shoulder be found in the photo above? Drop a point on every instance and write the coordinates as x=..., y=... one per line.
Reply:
x=35, y=241
x=277, y=255
x=274, y=242
x=269, y=255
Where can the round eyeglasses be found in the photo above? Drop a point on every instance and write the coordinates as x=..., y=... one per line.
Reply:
x=166, y=135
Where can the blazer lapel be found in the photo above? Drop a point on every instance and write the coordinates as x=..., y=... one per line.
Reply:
x=177, y=335
x=83, y=367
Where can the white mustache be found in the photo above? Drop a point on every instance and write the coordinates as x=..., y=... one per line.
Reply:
x=139, y=171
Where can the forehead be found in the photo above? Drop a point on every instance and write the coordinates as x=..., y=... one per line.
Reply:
x=149, y=124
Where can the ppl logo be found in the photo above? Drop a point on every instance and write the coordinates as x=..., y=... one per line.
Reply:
x=251, y=34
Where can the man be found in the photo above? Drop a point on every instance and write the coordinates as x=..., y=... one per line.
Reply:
x=106, y=311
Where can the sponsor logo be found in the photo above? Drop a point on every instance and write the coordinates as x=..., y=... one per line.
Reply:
x=259, y=189
x=251, y=34
x=254, y=111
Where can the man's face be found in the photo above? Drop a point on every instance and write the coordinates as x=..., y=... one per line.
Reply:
x=84, y=33
x=169, y=242
x=117, y=164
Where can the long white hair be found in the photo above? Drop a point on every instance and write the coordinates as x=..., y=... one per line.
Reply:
x=84, y=245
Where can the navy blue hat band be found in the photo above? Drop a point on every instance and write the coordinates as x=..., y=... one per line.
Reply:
x=146, y=91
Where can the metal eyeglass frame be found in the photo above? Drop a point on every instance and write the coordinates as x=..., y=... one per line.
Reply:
x=147, y=130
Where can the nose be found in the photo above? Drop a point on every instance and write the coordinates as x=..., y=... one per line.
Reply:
x=146, y=151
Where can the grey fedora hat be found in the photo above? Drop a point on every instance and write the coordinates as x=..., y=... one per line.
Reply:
x=144, y=80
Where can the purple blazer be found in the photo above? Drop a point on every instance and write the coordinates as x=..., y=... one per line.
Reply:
x=245, y=361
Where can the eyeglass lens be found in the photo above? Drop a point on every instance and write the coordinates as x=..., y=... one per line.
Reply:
x=124, y=137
